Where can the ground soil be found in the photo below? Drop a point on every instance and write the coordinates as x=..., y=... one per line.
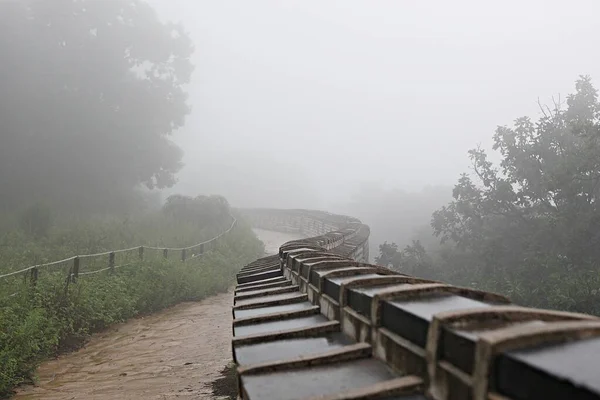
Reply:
x=182, y=352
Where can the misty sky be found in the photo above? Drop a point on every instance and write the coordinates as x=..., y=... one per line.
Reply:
x=388, y=91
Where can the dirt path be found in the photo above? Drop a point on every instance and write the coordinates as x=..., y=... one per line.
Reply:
x=176, y=353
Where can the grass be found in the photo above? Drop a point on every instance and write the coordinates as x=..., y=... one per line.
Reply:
x=226, y=385
x=72, y=236
x=56, y=315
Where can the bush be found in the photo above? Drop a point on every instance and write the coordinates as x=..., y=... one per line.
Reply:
x=36, y=220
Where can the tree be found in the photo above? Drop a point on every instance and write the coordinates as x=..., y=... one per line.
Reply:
x=530, y=225
x=413, y=260
x=36, y=220
x=91, y=92
x=202, y=210
x=389, y=256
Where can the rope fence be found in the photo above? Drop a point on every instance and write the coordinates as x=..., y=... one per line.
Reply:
x=91, y=264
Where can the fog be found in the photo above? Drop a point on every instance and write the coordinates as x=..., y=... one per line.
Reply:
x=132, y=131
x=369, y=108
x=326, y=95
x=366, y=108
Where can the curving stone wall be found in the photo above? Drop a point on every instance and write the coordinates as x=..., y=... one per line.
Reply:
x=311, y=223
x=317, y=322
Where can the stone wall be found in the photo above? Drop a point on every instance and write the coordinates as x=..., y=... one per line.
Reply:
x=313, y=223
x=318, y=321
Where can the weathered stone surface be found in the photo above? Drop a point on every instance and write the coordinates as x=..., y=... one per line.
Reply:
x=420, y=339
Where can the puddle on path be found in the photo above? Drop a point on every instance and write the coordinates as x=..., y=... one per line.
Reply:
x=182, y=352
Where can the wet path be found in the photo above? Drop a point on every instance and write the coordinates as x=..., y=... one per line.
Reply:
x=273, y=240
x=176, y=353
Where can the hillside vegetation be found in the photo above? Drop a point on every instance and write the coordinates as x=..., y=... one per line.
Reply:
x=57, y=313
x=528, y=226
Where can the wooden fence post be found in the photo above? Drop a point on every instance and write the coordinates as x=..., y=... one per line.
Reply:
x=75, y=269
x=111, y=261
x=166, y=253
x=34, y=276
x=183, y=255
x=202, y=248
x=141, y=252
x=68, y=281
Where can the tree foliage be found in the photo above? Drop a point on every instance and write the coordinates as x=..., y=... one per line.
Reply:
x=201, y=210
x=36, y=220
x=91, y=92
x=389, y=256
x=412, y=260
x=529, y=226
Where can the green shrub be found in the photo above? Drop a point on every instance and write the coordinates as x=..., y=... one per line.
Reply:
x=36, y=220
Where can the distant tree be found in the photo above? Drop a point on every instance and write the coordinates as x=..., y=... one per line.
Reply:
x=204, y=210
x=90, y=92
x=36, y=220
x=531, y=225
x=412, y=260
x=389, y=256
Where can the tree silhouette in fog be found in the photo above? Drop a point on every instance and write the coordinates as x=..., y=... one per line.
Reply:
x=90, y=92
x=529, y=227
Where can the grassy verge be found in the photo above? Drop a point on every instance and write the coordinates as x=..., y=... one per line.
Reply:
x=72, y=236
x=56, y=315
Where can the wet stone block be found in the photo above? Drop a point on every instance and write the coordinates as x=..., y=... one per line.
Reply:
x=281, y=325
x=339, y=263
x=262, y=282
x=458, y=348
x=255, y=312
x=260, y=276
x=315, y=276
x=331, y=286
x=556, y=372
x=410, y=319
x=314, y=381
x=290, y=348
x=359, y=299
x=265, y=299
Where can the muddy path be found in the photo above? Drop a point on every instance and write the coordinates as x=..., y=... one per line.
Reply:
x=180, y=352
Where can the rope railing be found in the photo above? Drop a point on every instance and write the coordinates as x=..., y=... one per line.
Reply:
x=50, y=264
x=74, y=272
x=103, y=269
